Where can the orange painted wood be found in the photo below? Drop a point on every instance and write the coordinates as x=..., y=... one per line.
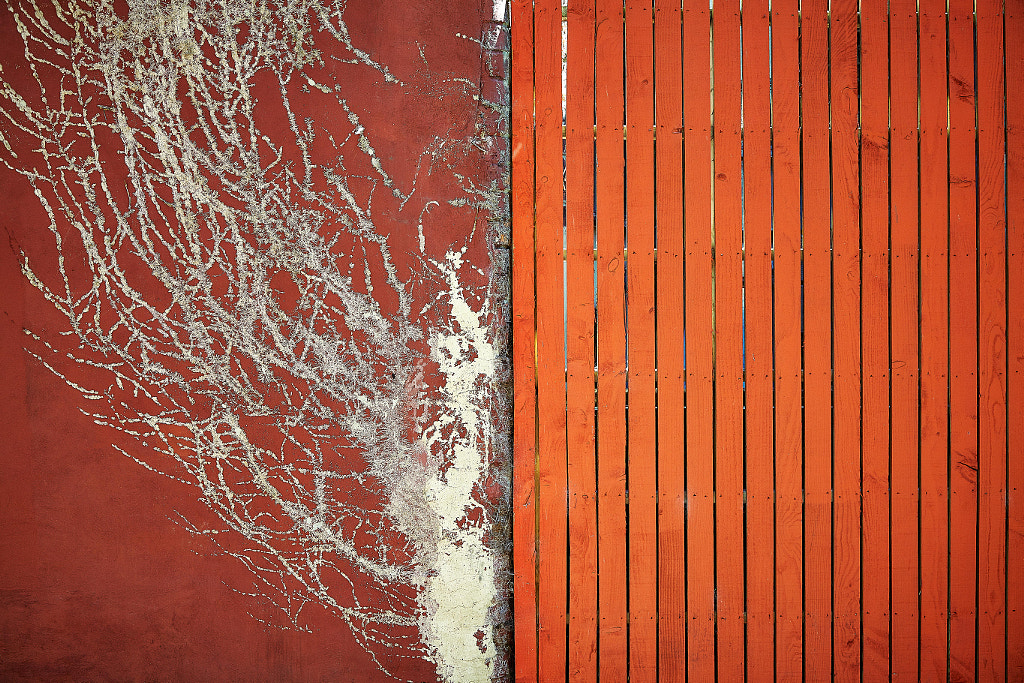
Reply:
x=580, y=380
x=875, y=338
x=611, y=343
x=728, y=232
x=817, y=316
x=524, y=526
x=846, y=342
x=1015, y=338
x=963, y=345
x=934, y=314
x=700, y=542
x=551, y=588
x=642, y=453
x=992, y=446
x=903, y=325
x=824, y=474
x=760, y=517
x=788, y=381
x=668, y=85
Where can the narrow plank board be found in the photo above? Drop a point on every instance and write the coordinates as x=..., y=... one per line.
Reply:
x=1015, y=337
x=700, y=548
x=846, y=340
x=611, y=344
x=903, y=315
x=551, y=588
x=728, y=233
x=524, y=525
x=817, y=343
x=963, y=344
x=788, y=381
x=934, y=305
x=642, y=454
x=668, y=86
x=580, y=381
x=757, y=206
x=992, y=446
x=875, y=338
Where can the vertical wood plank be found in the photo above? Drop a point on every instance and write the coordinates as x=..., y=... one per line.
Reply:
x=642, y=474
x=903, y=307
x=551, y=587
x=524, y=527
x=671, y=432
x=788, y=381
x=1015, y=336
x=611, y=343
x=934, y=303
x=963, y=344
x=992, y=450
x=875, y=336
x=817, y=317
x=846, y=341
x=760, y=513
x=580, y=382
x=728, y=280
x=700, y=563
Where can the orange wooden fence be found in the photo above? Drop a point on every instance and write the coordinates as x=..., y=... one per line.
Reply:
x=768, y=297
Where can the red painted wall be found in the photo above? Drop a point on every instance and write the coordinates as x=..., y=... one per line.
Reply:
x=99, y=579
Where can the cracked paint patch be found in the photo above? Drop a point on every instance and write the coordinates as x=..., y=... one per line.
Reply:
x=253, y=285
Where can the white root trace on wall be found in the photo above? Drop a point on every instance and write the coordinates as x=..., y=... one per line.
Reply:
x=232, y=303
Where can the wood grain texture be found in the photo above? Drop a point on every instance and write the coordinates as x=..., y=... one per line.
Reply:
x=963, y=345
x=903, y=329
x=875, y=339
x=934, y=307
x=524, y=529
x=757, y=200
x=817, y=321
x=846, y=343
x=728, y=236
x=700, y=564
x=668, y=85
x=1014, y=58
x=992, y=444
x=641, y=423
x=611, y=342
x=580, y=380
x=788, y=340
x=552, y=550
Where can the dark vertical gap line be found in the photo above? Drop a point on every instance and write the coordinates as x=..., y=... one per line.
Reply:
x=977, y=356
x=831, y=336
x=597, y=359
x=1006, y=359
x=686, y=340
x=625, y=324
x=713, y=225
x=743, y=327
x=775, y=426
x=949, y=359
x=920, y=362
x=654, y=171
x=563, y=41
x=860, y=316
x=889, y=327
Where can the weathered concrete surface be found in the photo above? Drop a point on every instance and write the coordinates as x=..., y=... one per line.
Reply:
x=260, y=245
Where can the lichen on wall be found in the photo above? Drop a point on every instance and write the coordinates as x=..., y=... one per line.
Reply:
x=289, y=306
